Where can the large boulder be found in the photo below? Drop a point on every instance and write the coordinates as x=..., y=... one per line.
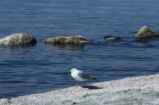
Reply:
x=19, y=39
x=73, y=40
x=145, y=33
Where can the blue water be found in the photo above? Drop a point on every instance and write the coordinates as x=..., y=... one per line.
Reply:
x=43, y=68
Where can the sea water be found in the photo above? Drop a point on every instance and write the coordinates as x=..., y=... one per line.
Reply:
x=43, y=68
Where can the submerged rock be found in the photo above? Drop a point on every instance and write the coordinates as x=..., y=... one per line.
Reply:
x=74, y=40
x=19, y=39
x=145, y=33
x=111, y=38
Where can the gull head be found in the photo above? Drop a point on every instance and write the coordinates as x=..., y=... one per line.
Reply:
x=73, y=69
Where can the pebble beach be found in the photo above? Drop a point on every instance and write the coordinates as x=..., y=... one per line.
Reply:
x=143, y=90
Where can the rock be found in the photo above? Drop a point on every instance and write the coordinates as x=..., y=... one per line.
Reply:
x=74, y=40
x=145, y=33
x=112, y=38
x=19, y=39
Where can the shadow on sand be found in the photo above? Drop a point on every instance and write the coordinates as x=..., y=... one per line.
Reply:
x=91, y=87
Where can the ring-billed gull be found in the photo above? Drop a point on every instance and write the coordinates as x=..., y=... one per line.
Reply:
x=80, y=76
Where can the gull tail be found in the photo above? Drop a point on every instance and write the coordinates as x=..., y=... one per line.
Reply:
x=94, y=78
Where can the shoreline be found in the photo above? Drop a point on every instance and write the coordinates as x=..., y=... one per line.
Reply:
x=134, y=90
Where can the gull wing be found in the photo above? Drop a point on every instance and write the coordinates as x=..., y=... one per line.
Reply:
x=85, y=76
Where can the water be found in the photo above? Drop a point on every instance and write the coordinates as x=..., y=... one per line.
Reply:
x=44, y=68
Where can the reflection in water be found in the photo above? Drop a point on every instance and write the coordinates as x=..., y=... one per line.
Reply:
x=143, y=42
x=15, y=53
x=148, y=43
x=13, y=48
x=73, y=47
x=20, y=46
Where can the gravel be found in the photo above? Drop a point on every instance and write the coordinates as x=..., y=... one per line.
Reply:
x=142, y=90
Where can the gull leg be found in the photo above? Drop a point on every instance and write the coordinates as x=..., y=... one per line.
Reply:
x=84, y=84
x=76, y=83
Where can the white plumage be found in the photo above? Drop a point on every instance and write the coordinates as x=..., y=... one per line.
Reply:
x=80, y=76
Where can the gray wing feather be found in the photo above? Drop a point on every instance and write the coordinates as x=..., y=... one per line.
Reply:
x=85, y=76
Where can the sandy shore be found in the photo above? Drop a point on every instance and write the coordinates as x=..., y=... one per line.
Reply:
x=142, y=90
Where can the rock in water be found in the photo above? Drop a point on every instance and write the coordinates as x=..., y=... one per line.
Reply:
x=19, y=39
x=74, y=40
x=111, y=38
x=145, y=33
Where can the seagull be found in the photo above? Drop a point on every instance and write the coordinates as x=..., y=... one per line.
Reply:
x=80, y=76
